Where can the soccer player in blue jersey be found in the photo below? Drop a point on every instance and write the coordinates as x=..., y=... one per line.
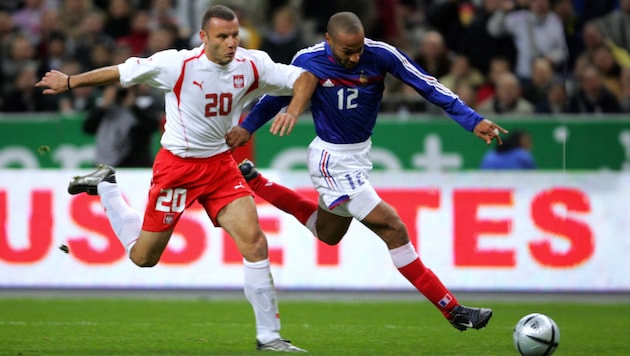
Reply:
x=350, y=71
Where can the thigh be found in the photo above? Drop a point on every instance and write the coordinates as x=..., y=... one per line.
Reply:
x=330, y=227
x=240, y=220
x=149, y=247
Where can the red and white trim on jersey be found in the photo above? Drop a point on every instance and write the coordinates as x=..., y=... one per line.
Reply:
x=255, y=84
x=177, y=89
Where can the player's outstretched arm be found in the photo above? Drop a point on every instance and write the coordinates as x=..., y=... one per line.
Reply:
x=302, y=91
x=488, y=131
x=57, y=82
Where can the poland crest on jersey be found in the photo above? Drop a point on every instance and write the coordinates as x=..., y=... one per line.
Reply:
x=239, y=81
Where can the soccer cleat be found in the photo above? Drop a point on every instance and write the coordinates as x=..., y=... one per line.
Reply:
x=278, y=345
x=463, y=317
x=248, y=170
x=88, y=183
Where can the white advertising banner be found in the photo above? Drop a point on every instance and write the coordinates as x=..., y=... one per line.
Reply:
x=478, y=231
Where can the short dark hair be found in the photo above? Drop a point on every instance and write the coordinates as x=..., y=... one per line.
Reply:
x=346, y=22
x=218, y=11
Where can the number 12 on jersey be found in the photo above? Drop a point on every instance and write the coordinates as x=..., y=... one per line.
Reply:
x=346, y=98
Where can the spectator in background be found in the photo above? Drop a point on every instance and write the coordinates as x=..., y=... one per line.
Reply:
x=118, y=19
x=139, y=35
x=602, y=58
x=162, y=12
x=8, y=30
x=536, y=31
x=90, y=31
x=498, y=66
x=616, y=25
x=592, y=96
x=389, y=24
x=24, y=96
x=542, y=79
x=450, y=19
x=592, y=37
x=21, y=53
x=50, y=27
x=123, y=129
x=434, y=55
x=479, y=46
x=507, y=99
x=28, y=18
x=161, y=39
x=572, y=25
x=250, y=35
x=514, y=153
x=100, y=55
x=462, y=72
x=284, y=38
x=467, y=94
x=72, y=14
x=555, y=101
x=56, y=52
x=434, y=58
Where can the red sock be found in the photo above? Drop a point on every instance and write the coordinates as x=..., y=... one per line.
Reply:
x=427, y=283
x=283, y=198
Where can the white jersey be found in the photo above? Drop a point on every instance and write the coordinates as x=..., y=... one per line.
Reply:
x=203, y=100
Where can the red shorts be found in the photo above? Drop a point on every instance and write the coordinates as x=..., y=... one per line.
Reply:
x=178, y=182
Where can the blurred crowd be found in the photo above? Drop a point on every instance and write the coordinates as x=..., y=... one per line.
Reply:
x=502, y=57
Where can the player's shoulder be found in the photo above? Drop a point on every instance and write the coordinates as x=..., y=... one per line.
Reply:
x=379, y=47
x=312, y=51
x=173, y=56
x=255, y=55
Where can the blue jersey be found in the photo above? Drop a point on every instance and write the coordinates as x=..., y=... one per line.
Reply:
x=517, y=158
x=346, y=102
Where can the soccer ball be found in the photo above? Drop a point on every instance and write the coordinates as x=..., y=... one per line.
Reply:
x=536, y=335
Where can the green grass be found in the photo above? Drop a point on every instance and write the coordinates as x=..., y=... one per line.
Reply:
x=131, y=326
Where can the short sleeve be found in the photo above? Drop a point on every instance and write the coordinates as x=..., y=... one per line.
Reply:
x=158, y=71
x=277, y=78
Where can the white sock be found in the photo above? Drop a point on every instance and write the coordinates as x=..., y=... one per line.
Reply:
x=125, y=222
x=261, y=293
x=403, y=255
x=310, y=223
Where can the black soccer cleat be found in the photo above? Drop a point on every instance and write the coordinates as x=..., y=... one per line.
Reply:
x=88, y=183
x=248, y=170
x=463, y=317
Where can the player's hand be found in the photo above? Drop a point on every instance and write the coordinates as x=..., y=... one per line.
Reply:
x=237, y=136
x=283, y=124
x=488, y=131
x=55, y=82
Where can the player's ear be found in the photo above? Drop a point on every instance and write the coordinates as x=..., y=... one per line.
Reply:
x=203, y=36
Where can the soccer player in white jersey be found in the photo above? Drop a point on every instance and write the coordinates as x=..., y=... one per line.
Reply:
x=351, y=70
x=205, y=90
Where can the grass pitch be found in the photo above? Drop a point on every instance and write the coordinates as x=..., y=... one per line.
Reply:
x=132, y=326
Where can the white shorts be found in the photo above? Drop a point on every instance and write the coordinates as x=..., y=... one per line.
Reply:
x=340, y=174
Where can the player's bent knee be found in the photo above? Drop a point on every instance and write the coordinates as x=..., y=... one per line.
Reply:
x=144, y=260
x=254, y=249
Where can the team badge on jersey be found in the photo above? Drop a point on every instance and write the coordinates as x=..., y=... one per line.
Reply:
x=363, y=79
x=239, y=81
x=168, y=218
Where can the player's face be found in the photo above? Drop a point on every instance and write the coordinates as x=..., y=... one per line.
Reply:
x=221, y=39
x=346, y=48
